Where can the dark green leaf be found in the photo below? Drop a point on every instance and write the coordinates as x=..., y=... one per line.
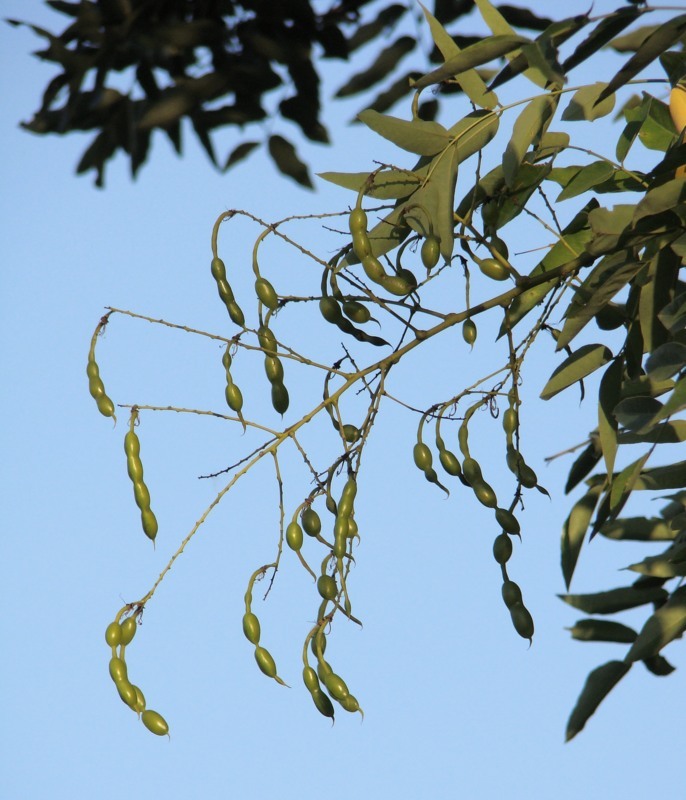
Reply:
x=576, y=367
x=658, y=665
x=655, y=45
x=623, y=484
x=473, y=56
x=379, y=69
x=638, y=529
x=607, y=29
x=598, y=685
x=287, y=161
x=662, y=433
x=583, y=464
x=389, y=184
x=586, y=178
x=574, y=531
x=614, y=600
x=667, y=360
x=602, y=630
x=660, y=566
x=672, y=476
x=657, y=130
x=662, y=198
x=240, y=152
x=673, y=315
x=635, y=413
x=665, y=625
x=608, y=397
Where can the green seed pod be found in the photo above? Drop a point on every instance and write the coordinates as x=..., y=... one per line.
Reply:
x=351, y=434
x=95, y=385
x=510, y=421
x=280, y=399
x=450, y=462
x=218, y=269
x=527, y=477
x=512, y=594
x=422, y=456
x=225, y=293
x=265, y=662
x=469, y=331
x=128, y=630
x=318, y=641
x=141, y=495
x=236, y=314
x=349, y=703
x=155, y=723
x=340, y=527
x=294, y=536
x=336, y=686
x=127, y=692
x=140, y=701
x=322, y=702
x=502, y=548
x=267, y=294
x=373, y=268
x=356, y=312
x=330, y=310
x=331, y=505
x=251, y=628
x=135, y=469
x=349, y=490
x=267, y=340
x=397, y=285
x=362, y=247
x=118, y=671
x=357, y=221
x=311, y=522
x=352, y=528
x=113, y=634
x=234, y=398
x=132, y=445
x=326, y=586
x=431, y=251
x=149, y=521
x=310, y=679
x=507, y=521
x=471, y=471
x=323, y=669
x=274, y=369
x=408, y=276
x=485, y=494
x=340, y=544
x=522, y=621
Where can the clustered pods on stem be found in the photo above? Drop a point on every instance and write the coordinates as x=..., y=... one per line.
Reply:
x=134, y=466
x=96, y=387
x=118, y=635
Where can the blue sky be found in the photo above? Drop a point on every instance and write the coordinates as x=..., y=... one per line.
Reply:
x=455, y=702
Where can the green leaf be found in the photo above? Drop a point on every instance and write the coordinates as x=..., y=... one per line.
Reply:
x=574, y=531
x=614, y=600
x=602, y=630
x=658, y=665
x=663, y=433
x=437, y=198
x=635, y=413
x=667, y=360
x=583, y=106
x=580, y=364
x=607, y=29
x=655, y=45
x=569, y=247
x=239, y=152
x=599, y=684
x=672, y=476
x=608, y=397
x=470, y=82
x=665, y=625
x=417, y=135
x=607, y=278
x=675, y=403
x=638, y=529
x=473, y=56
x=473, y=132
x=583, y=464
x=586, y=178
x=624, y=483
x=662, y=198
x=390, y=184
x=657, y=130
x=673, y=315
x=385, y=62
x=287, y=161
x=659, y=567
x=528, y=128
x=609, y=225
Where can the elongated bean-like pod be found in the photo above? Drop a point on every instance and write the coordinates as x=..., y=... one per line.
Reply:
x=95, y=385
x=218, y=269
x=134, y=467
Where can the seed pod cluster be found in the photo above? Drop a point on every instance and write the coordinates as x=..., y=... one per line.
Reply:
x=273, y=369
x=118, y=636
x=251, y=629
x=521, y=618
x=514, y=459
x=331, y=311
x=399, y=285
x=335, y=685
x=423, y=460
x=134, y=467
x=234, y=397
x=218, y=269
x=95, y=385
